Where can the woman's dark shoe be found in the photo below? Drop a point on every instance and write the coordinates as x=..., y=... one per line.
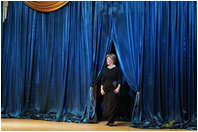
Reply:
x=107, y=124
x=111, y=124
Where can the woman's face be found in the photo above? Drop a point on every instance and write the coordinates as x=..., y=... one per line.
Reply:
x=109, y=61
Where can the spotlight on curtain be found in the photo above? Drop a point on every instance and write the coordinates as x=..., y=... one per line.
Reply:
x=45, y=6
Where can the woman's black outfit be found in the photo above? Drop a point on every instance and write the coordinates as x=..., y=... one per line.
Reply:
x=110, y=97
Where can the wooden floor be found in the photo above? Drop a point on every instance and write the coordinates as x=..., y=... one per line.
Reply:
x=11, y=124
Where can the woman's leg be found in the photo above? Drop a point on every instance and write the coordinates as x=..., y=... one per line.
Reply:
x=109, y=106
x=111, y=118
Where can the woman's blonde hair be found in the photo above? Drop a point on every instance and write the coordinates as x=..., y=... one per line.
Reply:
x=112, y=56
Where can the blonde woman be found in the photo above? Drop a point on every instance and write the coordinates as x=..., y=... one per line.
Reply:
x=110, y=86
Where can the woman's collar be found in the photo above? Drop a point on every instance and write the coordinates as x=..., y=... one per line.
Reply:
x=110, y=67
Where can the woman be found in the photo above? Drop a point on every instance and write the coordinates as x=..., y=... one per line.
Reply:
x=110, y=86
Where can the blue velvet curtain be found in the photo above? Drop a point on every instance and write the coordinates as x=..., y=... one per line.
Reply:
x=51, y=61
x=47, y=60
x=168, y=82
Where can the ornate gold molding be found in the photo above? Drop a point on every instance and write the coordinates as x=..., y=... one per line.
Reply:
x=45, y=6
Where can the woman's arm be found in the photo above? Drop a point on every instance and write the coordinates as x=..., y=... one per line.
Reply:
x=120, y=81
x=102, y=82
x=101, y=90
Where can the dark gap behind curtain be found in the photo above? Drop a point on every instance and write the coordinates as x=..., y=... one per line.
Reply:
x=126, y=97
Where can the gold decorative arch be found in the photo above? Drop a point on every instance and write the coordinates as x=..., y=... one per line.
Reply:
x=45, y=6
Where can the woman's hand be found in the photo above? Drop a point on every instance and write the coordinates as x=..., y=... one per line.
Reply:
x=102, y=92
x=117, y=90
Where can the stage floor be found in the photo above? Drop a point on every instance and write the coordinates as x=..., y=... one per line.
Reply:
x=12, y=124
